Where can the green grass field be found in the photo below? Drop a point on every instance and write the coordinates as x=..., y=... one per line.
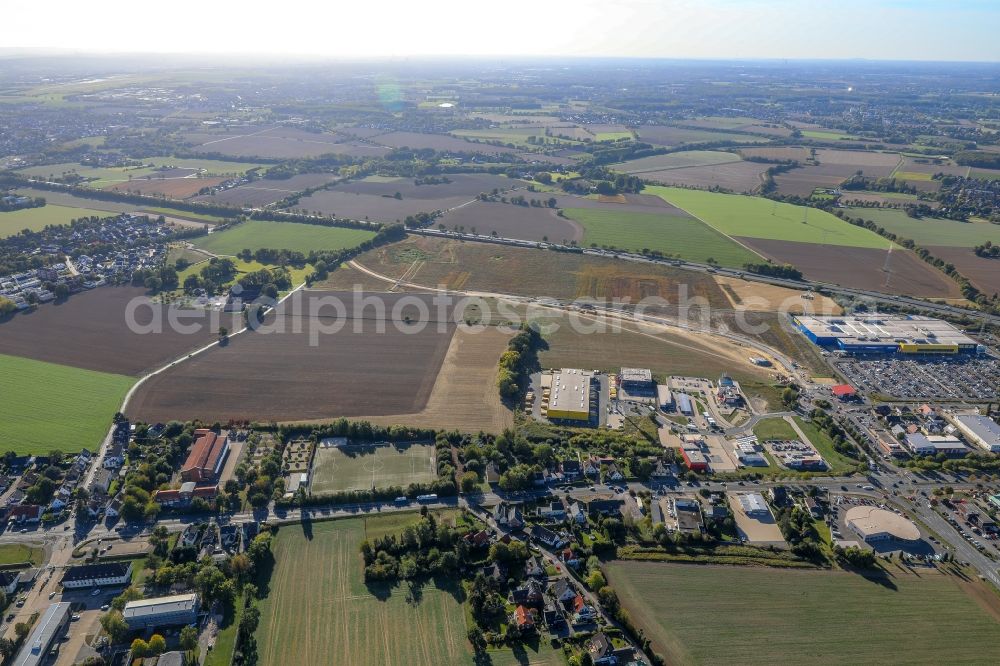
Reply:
x=48, y=406
x=173, y=212
x=319, y=609
x=211, y=167
x=257, y=234
x=37, y=219
x=824, y=135
x=838, y=464
x=776, y=428
x=19, y=553
x=929, y=231
x=756, y=217
x=683, y=237
x=364, y=467
x=766, y=616
x=612, y=136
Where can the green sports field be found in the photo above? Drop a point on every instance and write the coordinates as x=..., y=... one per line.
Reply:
x=756, y=217
x=673, y=235
x=320, y=611
x=364, y=467
x=767, y=616
x=929, y=231
x=37, y=219
x=258, y=234
x=48, y=406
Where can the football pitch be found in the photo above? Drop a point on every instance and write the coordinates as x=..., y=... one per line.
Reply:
x=337, y=469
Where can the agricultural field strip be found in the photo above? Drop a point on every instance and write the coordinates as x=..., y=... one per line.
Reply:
x=612, y=314
x=725, y=212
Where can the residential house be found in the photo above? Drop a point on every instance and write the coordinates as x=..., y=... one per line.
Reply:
x=592, y=467
x=778, y=495
x=563, y=592
x=814, y=507
x=114, y=508
x=554, y=511
x=492, y=474
x=509, y=516
x=577, y=514
x=534, y=569
x=97, y=575
x=531, y=593
x=604, y=505
x=661, y=471
x=599, y=648
x=495, y=572
x=478, y=539
x=571, y=469
x=102, y=481
x=524, y=618
x=26, y=513
x=614, y=473
x=552, y=617
x=8, y=582
x=583, y=613
x=546, y=536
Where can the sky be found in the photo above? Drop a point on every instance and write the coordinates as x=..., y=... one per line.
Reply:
x=963, y=30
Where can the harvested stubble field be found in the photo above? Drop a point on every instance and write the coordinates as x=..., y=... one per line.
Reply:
x=486, y=267
x=511, y=221
x=983, y=272
x=689, y=158
x=464, y=396
x=797, y=153
x=337, y=469
x=733, y=176
x=48, y=406
x=665, y=135
x=90, y=330
x=332, y=616
x=833, y=167
x=265, y=192
x=279, y=143
x=928, y=230
x=808, y=617
x=374, y=198
x=441, y=142
x=172, y=188
x=680, y=236
x=633, y=203
x=296, y=236
x=754, y=217
x=375, y=364
x=36, y=219
x=860, y=268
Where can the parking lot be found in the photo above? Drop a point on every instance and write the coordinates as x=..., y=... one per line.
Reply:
x=941, y=378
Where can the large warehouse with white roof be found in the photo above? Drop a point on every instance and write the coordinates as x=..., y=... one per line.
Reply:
x=886, y=334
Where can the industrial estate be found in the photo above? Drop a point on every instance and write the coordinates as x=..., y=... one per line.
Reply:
x=525, y=364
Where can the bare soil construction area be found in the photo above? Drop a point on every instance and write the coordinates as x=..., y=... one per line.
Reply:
x=89, y=330
x=526, y=272
x=511, y=221
x=984, y=273
x=860, y=268
x=376, y=364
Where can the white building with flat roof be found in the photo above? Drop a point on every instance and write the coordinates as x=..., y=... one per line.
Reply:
x=980, y=430
x=753, y=504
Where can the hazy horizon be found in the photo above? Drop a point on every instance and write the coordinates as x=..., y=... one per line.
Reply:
x=881, y=30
